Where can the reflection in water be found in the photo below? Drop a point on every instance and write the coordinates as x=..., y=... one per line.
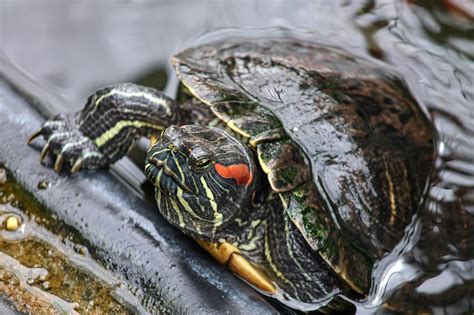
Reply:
x=432, y=268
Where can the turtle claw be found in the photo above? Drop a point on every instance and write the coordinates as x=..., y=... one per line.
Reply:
x=58, y=165
x=67, y=144
x=229, y=255
x=242, y=267
x=44, y=152
x=77, y=166
x=35, y=135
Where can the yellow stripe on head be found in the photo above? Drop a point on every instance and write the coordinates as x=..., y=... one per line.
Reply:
x=217, y=215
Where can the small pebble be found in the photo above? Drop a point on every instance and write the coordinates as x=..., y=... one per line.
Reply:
x=12, y=223
x=3, y=176
x=10, y=198
x=45, y=285
x=80, y=249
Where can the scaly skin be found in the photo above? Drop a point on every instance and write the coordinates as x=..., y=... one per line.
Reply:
x=112, y=120
x=69, y=144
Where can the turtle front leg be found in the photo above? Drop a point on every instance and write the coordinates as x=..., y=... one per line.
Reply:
x=107, y=127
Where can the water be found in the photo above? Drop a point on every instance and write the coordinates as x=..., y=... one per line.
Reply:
x=71, y=49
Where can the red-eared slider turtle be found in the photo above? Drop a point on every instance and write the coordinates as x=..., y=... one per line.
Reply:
x=305, y=160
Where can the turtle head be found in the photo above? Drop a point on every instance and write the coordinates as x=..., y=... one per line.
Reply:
x=202, y=178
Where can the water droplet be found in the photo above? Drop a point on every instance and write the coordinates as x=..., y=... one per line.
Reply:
x=43, y=184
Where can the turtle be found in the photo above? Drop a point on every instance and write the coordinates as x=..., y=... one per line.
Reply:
x=296, y=164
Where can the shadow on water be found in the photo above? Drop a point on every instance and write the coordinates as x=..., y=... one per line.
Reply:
x=430, y=43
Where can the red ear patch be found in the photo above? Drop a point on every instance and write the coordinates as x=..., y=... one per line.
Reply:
x=240, y=172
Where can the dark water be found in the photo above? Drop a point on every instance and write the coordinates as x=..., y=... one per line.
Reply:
x=71, y=49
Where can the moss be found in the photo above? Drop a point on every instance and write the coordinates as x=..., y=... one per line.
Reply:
x=289, y=174
x=65, y=280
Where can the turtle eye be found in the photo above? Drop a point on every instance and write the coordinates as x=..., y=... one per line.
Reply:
x=202, y=164
x=200, y=159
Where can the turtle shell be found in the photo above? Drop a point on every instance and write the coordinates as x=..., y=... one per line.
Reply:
x=341, y=139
